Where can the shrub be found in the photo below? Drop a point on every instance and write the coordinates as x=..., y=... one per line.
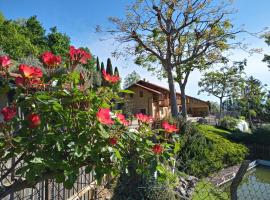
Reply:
x=228, y=123
x=260, y=135
x=204, y=150
x=143, y=187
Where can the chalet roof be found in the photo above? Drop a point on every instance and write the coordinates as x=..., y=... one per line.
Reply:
x=146, y=88
x=158, y=89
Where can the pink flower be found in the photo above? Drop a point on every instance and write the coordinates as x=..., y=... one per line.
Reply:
x=111, y=79
x=170, y=128
x=104, y=117
x=122, y=119
x=9, y=113
x=112, y=141
x=157, y=149
x=144, y=118
x=30, y=72
x=5, y=62
x=34, y=120
x=50, y=59
x=78, y=55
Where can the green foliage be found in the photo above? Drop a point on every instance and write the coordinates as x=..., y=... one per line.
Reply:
x=71, y=134
x=229, y=123
x=97, y=65
x=207, y=191
x=144, y=187
x=205, y=150
x=58, y=42
x=116, y=72
x=223, y=83
x=253, y=100
x=260, y=136
x=131, y=78
x=14, y=42
x=214, y=107
x=109, y=68
x=26, y=37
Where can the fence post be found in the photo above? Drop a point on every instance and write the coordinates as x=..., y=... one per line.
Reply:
x=238, y=178
x=47, y=191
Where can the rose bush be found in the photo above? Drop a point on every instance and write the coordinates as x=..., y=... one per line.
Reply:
x=55, y=127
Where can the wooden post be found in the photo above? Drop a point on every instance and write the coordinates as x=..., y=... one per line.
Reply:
x=47, y=191
x=238, y=178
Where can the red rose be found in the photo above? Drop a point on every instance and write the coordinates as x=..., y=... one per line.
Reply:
x=144, y=118
x=157, y=149
x=5, y=61
x=111, y=79
x=34, y=120
x=9, y=113
x=170, y=128
x=113, y=141
x=78, y=55
x=50, y=59
x=19, y=81
x=122, y=119
x=30, y=72
x=104, y=117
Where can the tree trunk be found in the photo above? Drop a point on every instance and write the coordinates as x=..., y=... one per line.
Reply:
x=183, y=101
x=220, y=107
x=172, y=94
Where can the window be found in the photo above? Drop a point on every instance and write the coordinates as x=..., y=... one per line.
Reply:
x=141, y=93
x=161, y=111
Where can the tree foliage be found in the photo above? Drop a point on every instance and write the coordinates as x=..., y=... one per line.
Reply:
x=224, y=83
x=131, y=78
x=21, y=38
x=181, y=36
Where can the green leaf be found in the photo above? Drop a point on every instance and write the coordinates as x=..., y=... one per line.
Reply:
x=103, y=132
x=37, y=160
x=88, y=169
x=126, y=91
x=176, y=147
x=117, y=154
x=17, y=139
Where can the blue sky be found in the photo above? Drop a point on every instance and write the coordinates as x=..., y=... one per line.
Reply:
x=78, y=19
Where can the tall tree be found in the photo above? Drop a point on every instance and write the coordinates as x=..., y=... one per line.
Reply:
x=36, y=33
x=109, y=68
x=116, y=72
x=253, y=99
x=58, y=42
x=172, y=34
x=224, y=83
x=102, y=68
x=97, y=65
x=131, y=78
x=14, y=42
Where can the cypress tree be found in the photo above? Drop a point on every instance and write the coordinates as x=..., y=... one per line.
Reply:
x=109, y=68
x=102, y=67
x=103, y=82
x=98, y=66
x=116, y=72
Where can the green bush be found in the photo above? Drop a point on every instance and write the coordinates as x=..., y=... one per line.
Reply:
x=207, y=191
x=260, y=135
x=143, y=188
x=205, y=150
x=228, y=123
